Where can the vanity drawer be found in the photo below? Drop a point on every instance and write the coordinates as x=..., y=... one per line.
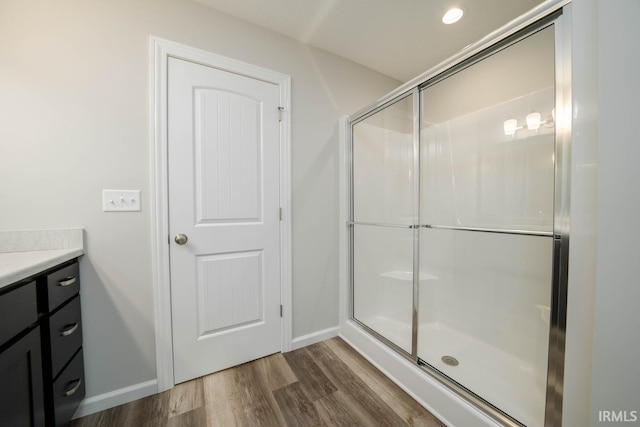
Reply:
x=68, y=390
x=18, y=311
x=65, y=331
x=62, y=285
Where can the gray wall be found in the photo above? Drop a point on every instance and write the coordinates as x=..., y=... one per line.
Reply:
x=616, y=339
x=74, y=119
x=602, y=346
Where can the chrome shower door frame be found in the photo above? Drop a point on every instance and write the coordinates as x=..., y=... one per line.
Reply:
x=414, y=227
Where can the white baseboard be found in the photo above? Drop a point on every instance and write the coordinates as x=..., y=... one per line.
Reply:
x=138, y=391
x=117, y=397
x=315, y=337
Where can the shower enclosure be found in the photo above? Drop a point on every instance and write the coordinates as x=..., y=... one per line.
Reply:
x=459, y=227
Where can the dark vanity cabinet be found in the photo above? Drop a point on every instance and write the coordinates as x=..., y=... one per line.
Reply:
x=21, y=380
x=63, y=367
x=41, y=364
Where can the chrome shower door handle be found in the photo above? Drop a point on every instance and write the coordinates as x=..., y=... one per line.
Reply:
x=181, y=239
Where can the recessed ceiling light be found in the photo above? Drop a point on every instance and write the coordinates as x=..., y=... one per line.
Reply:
x=453, y=15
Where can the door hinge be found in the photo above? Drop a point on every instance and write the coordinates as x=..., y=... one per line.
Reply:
x=280, y=214
x=280, y=110
x=280, y=310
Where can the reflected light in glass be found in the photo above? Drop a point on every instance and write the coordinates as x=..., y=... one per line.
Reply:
x=510, y=127
x=533, y=121
x=452, y=15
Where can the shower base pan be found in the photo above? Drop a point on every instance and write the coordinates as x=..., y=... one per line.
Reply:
x=507, y=382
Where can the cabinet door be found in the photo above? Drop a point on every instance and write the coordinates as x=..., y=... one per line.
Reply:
x=21, y=394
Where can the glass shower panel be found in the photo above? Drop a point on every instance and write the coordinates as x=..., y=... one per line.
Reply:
x=383, y=281
x=383, y=165
x=488, y=139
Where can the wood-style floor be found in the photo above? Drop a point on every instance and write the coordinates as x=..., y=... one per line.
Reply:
x=325, y=384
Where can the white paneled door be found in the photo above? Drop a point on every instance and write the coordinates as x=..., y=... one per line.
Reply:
x=223, y=156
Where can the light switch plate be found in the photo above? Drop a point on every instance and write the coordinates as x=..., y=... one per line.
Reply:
x=121, y=200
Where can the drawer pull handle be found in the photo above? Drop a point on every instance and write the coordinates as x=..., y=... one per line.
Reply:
x=68, y=330
x=74, y=388
x=67, y=282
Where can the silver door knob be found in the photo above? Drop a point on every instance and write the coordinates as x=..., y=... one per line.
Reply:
x=181, y=239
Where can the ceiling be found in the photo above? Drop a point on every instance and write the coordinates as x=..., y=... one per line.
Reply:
x=399, y=38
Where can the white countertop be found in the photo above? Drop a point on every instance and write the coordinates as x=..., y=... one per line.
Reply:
x=15, y=266
x=29, y=252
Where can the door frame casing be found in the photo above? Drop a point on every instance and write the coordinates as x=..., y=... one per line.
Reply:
x=161, y=50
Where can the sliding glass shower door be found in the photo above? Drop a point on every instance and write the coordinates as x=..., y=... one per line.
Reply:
x=454, y=233
x=383, y=216
x=486, y=236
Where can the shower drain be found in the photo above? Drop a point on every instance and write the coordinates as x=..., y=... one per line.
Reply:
x=450, y=360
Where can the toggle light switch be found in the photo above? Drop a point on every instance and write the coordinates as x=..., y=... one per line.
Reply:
x=121, y=200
